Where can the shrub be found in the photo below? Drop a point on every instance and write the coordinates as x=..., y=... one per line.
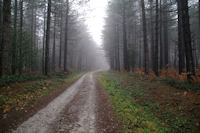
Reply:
x=185, y=85
x=8, y=79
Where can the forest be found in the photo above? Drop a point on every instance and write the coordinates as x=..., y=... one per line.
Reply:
x=153, y=35
x=44, y=36
x=91, y=66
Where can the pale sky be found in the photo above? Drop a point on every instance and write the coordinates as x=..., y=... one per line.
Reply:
x=95, y=19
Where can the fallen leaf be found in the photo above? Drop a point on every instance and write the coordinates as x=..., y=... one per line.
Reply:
x=5, y=116
x=140, y=109
x=197, y=124
x=44, y=88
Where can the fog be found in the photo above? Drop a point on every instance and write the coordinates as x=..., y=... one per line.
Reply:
x=81, y=35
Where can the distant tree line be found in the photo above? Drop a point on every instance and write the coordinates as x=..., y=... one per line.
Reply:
x=153, y=34
x=43, y=36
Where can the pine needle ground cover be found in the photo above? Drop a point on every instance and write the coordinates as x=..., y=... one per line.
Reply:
x=145, y=105
x=16, y=96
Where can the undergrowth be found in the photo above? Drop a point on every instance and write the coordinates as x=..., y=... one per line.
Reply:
x=184, y=85
x=131, y=115
x=173, y=78
x=6, y=80
x=9, y=79
x=16, y=96
x=140, y=108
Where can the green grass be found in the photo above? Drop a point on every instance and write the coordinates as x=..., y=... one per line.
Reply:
x=132, y=116
x=140, y=112
x=186, y=85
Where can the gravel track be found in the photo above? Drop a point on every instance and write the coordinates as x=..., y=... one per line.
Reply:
x=76, y=110
x=41, y=121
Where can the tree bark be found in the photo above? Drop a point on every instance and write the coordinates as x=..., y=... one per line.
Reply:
x=61, y=40
x=32, y=36
x=166, y=35
x=140, y=52
x=125, y=47
x=35, y=41
x=156, y=42
x=118, y=49
x=21, y=37
x=1, y=28
x=14, y=39
x=199, y=13
x=187, y=37
x=180, y=40
x=146, y=56
x=161, y=36
x=152, y=35
x=66, y=37
x=43, y=46
x=4, y=67
x=199, y=28
x=47, y=38
x=54, y=45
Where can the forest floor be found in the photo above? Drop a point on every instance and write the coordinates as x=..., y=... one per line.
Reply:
x=82, y=107
x=103, y=102
x=155, y=105
x=23, y=98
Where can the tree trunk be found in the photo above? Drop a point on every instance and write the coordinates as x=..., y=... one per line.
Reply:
x=152, y=34
x=199, y=29
x=66, y=37
x=61, y=40
x=112, y=60
x=1, y=28
x=187, y=38
x=14, y=40
x=80, y=61
x=47, y=38
x=161, y=36
x=175, y=55
x=35, y=41
x=156, y=42
x=146, y=56
x=140, y=52
x=21, y=37
x=125, y=47
x=54, y=45
x=32, y=36
x=4, y=68
x=199, y=13
x=180, y=40
x=115, y=57
x=195, y=52
x=118, y=49
x=166, y=39
x=43, y=46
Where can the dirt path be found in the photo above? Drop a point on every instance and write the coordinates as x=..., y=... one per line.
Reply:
x=76, y=110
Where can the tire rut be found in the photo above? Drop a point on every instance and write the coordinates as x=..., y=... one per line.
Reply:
x=41, y=121
x=82, y=108
x=79, y=115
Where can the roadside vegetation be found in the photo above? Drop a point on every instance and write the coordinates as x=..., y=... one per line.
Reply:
x=19, y=92
x=146, y=104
